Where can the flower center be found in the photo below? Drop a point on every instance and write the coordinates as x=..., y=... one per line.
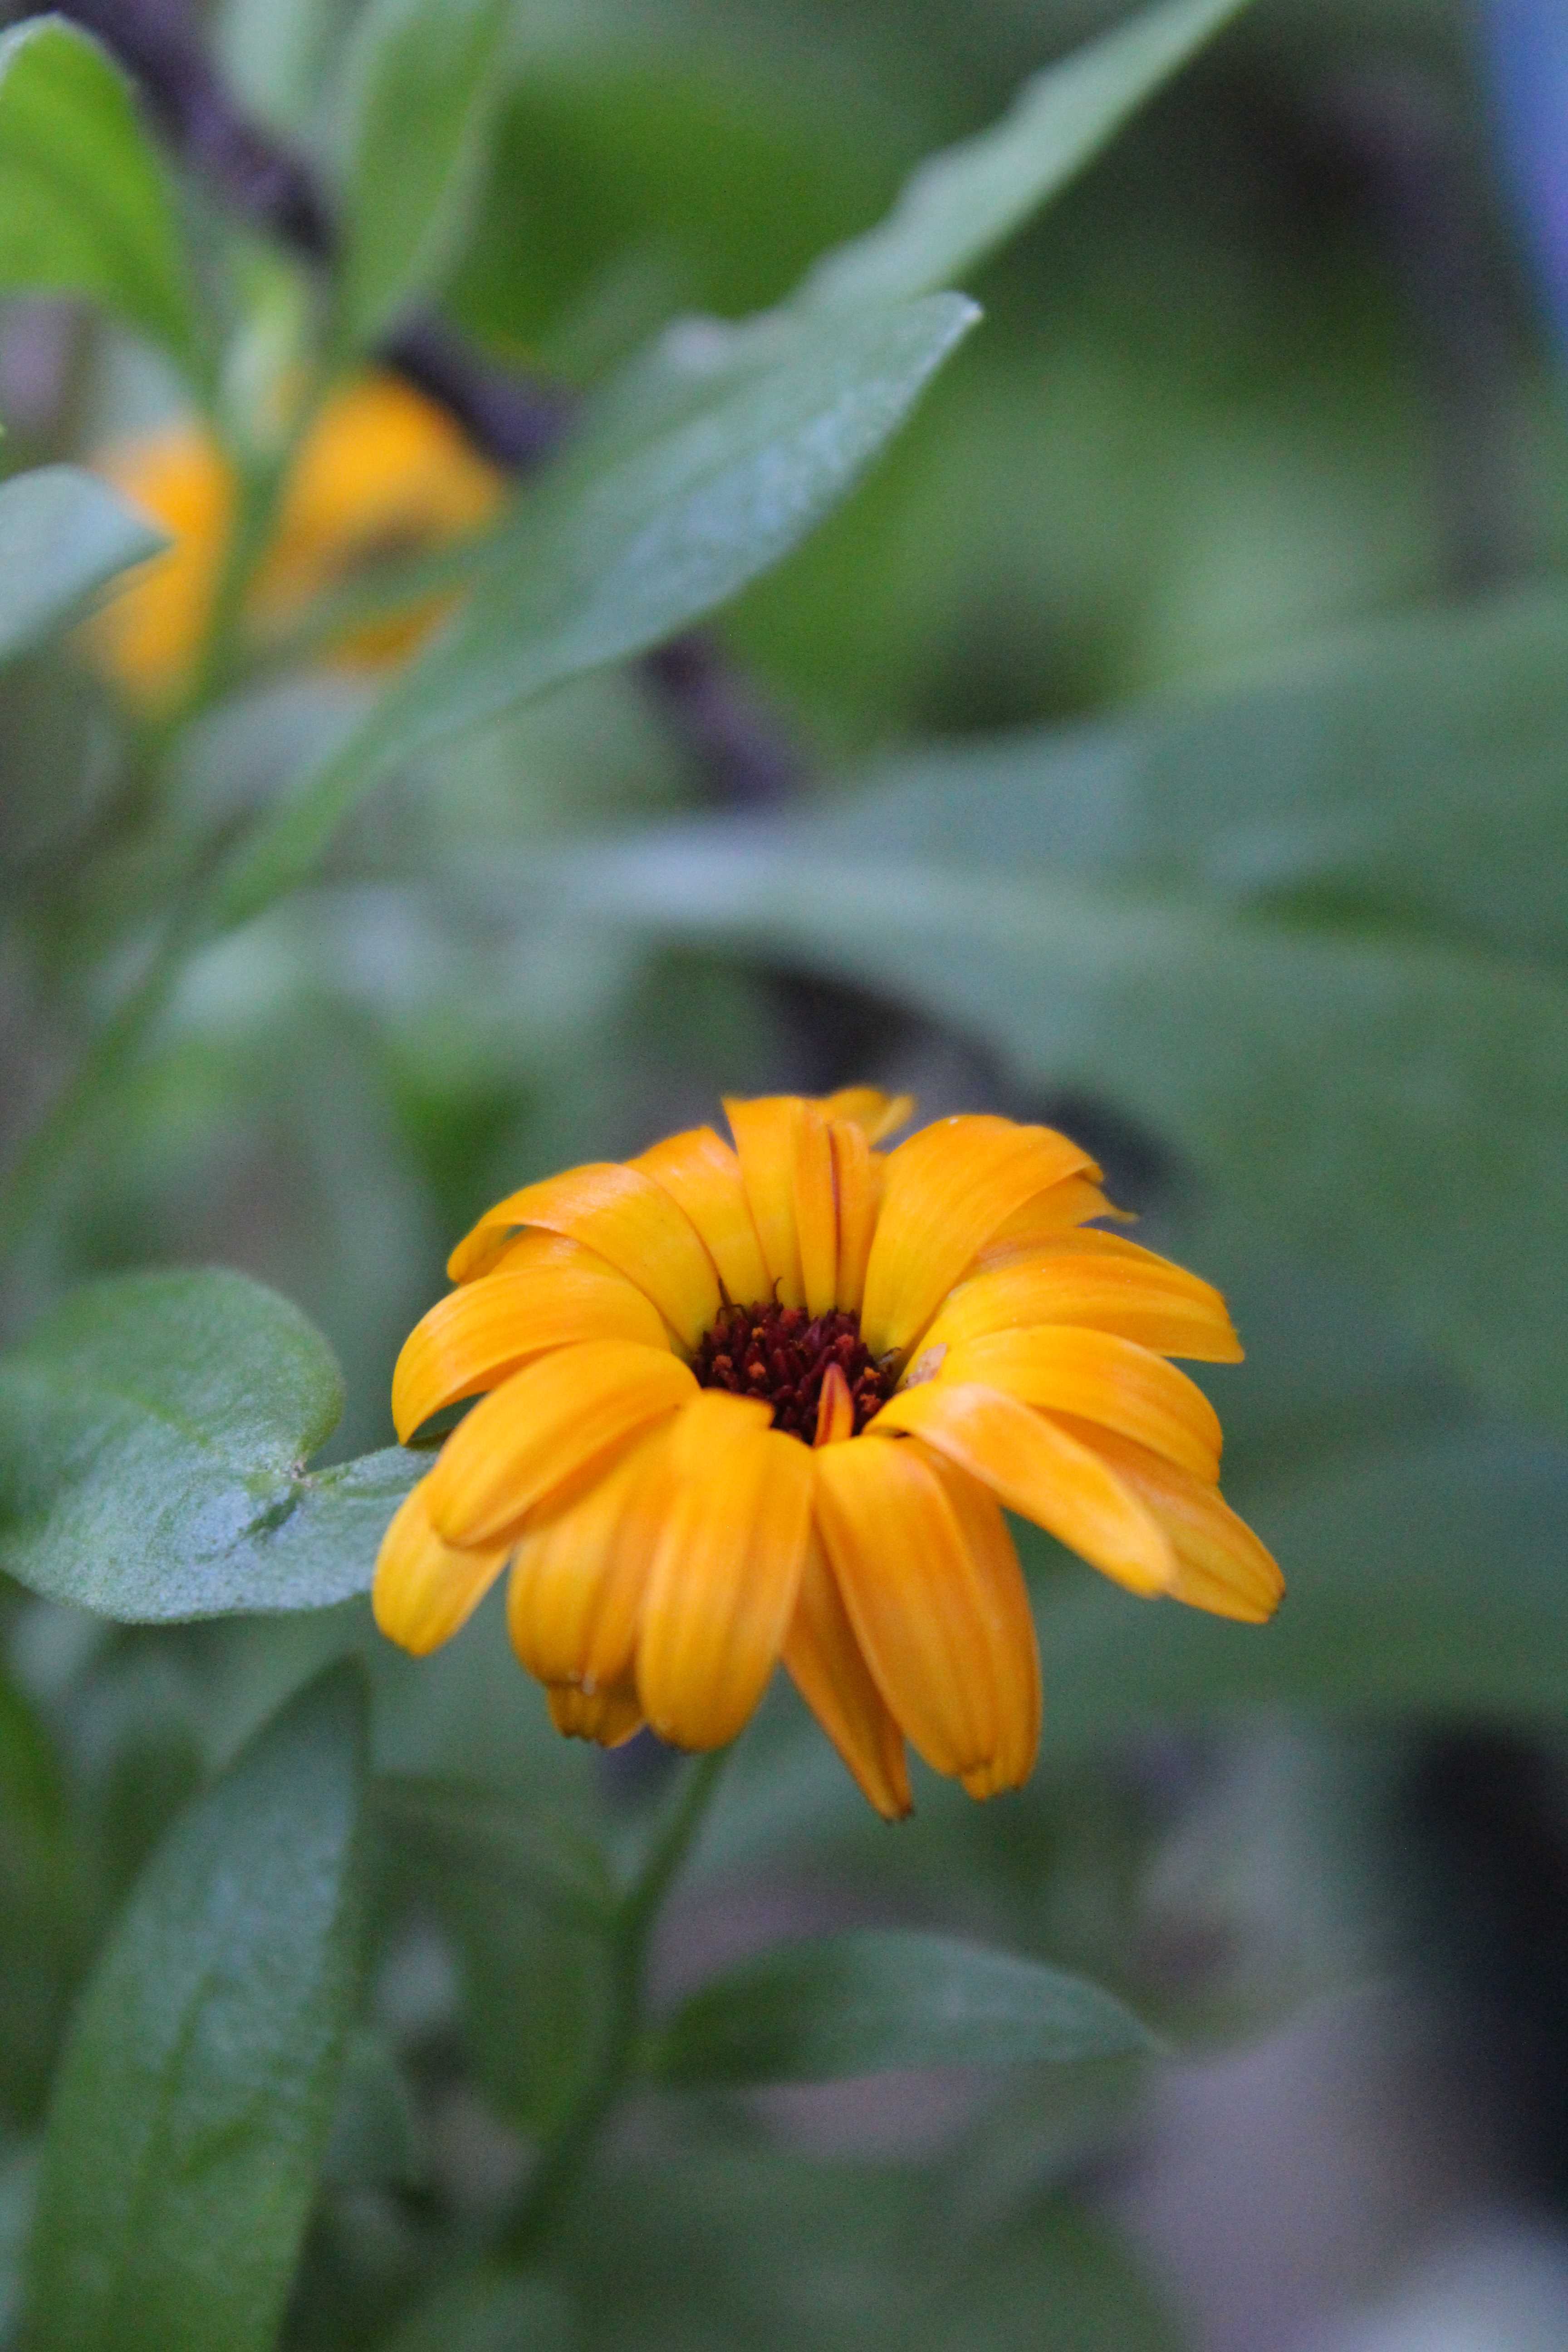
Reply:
x=782, y=1355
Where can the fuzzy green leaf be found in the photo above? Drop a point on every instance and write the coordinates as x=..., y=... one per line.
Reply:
x=433, y=63
x=873, y=1998
x=63, y=535
x=153, y=1434
x=195, y=2095
x=700, y=467
x=86, y=206
x=1426, y=1578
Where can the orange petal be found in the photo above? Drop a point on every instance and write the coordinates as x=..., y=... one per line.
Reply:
x=876, y=1115
x=610, y=1716
x=946, y=1189
x=576, y=1587
x=834, y=1408
x=478, y=1334
x=1220, y=1564
x=1100, y=1378
x=914, y=1596
x=815, y=1210
x=1058, y=1213
x=1039, y=1471
x=425, y=1588
x=858, y=1172
x=766, y=1130
x=832, y=1677
x=1008, y=1622
x=727, y=1571
x=625, y=1217
x=1119, y=1287
x=545, y=1431
x=700, y=1173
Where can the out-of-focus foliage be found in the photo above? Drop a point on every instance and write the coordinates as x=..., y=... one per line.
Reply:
x=1165, y=664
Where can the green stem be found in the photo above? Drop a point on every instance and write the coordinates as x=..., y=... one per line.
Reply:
x=562, y=2160
x=30, y=1176
x=25, y=1184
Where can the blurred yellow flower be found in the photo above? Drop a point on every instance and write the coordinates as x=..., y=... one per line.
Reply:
x=382, y=472
x=768, y=1402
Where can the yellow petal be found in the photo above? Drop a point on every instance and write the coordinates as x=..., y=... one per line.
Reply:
x=476, y=1337
x=874, y=1113
x=1052, y=1215
x=816, y=1210
x=425, y=1588
x=1100, y=1378
x=724, y=1579
x=575, y=1592
x=149, y=631
x=1118, y=1288
x=1039, y=1471
x=539, y=1438
x=913, y=1595
x=610, y=1716
x=766, y=1130
x=1221, y=1566
x=946, y=1189
x=625, y=1217
x=1009, y=1625
x=700, y=1173
x=858, y=1172
x=832, y=1677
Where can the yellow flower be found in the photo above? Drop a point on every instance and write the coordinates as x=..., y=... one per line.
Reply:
x=769, y=1401
x=382, y=472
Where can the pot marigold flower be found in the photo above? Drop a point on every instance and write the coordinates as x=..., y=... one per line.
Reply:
x=382, y=472
x=740, y=1404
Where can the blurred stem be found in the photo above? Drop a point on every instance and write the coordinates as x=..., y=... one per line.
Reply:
x=563, y=2157
x=31, y=1175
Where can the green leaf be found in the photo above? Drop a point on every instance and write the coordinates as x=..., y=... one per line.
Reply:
x=1425, y=1579
x=63, y=534
x=424, y=82
x=86, y=206
x=195, y=2095
x=526, y=1900
x=375, y=2141
x=1359, y=1094
x=703, y=465
x=529, y=1854
x=1409, y=772
x=493, y=2311
x=154, y=1432
x=962, y=202
x=873, y=1998
x=1055, y=2280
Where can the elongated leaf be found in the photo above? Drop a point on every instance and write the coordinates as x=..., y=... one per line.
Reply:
x=430, y=64
x=860, y=2002
x=701, y=467
x=1426, y=1578
x=195, y=2096
x=526, y=1902
x=1053, y=2281
x=63, y=534
x=962, y=202
x=154, y=1432
x=490, y=2311
x=1409, y=770
x=86, y=206
x=1360, y=1094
